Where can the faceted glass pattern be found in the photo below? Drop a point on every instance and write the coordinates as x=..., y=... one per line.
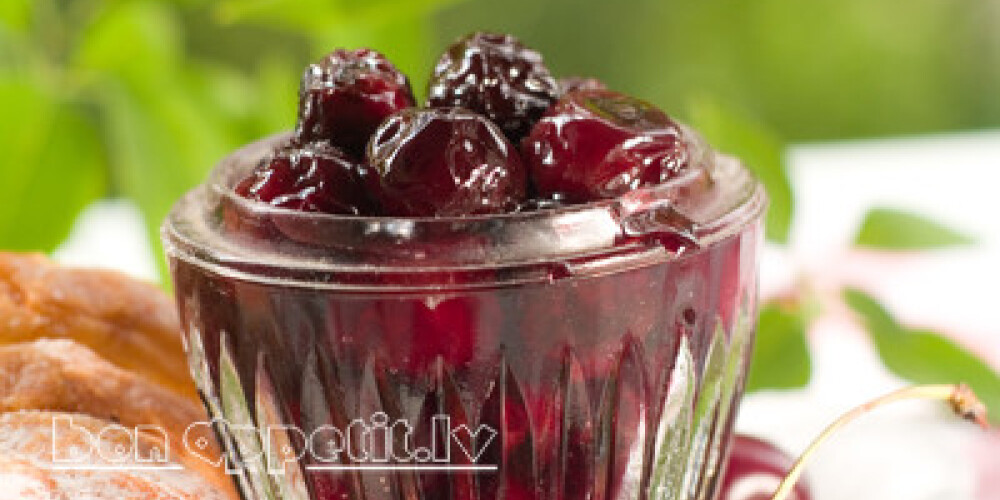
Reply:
x=618, y=385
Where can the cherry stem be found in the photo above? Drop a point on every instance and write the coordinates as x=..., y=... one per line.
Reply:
x=961, y=399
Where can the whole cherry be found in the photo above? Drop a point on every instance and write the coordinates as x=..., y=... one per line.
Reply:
x=496, y=76
x=443, y=162
x=754, y=470
x=598, y=144
x=346, y=95
x=315, y=177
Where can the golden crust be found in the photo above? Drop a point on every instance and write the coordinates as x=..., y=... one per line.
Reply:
x=62, y=376
x=130, y=323
x=28, y=469
x=103, y=349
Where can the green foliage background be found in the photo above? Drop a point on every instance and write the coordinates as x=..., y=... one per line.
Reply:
x=139, y=98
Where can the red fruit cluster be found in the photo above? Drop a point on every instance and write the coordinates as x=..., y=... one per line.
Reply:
x=498, y=133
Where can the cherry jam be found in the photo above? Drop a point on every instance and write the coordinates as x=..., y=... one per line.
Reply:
x=588, y=352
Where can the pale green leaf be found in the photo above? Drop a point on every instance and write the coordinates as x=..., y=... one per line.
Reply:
x=781, y=355
x=925, y=357
x=892, y=229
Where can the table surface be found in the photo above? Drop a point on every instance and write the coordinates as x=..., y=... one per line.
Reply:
x=911, y=452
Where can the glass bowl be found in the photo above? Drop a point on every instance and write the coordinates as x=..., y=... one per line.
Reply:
x=587, y=352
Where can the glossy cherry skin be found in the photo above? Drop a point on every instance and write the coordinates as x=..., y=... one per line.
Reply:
x=346, y=95
x=598, y=144
x=496, y=76
x=754, y=470
x=444, y=162
x=312, y=178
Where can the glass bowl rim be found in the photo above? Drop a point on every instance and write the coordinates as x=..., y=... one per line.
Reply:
x=186, y=236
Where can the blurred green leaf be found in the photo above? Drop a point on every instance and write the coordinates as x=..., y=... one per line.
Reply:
x=401, y=29
x=758, y=147
x=164, y=132
x=277, y=88
x=162, y=146
x=137, y=40
x=308, y=15
x=15, y=15
x=812, y=70
x=227, y=93
x=781, y=355
x=15, y=27
x=924, y=357
x=51, y=167
x=893, y=229
x=318, y=16
x=408, y=44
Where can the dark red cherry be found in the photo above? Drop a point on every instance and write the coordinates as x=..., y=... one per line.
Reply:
x=597, y=144
x=496, y=76
x=313, y=178
x=575, y=83
x=754, y=470
x=346, y=95
x=444, y=162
